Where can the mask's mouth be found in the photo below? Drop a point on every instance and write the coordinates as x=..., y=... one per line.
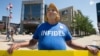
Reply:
x=52, y=16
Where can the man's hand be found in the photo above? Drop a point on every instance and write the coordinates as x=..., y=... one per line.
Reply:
x=93, y=50
x=13, y=47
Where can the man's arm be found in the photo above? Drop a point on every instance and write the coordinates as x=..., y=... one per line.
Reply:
x=74, y=45
x=23, y=44
x=28, y=43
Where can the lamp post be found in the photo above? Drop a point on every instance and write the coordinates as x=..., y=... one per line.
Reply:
x=9, y=10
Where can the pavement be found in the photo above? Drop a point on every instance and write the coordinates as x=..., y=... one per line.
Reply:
x=87, y=40
x=5, y=44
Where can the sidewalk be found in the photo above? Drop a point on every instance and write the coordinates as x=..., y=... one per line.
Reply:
x=88, y=40
x=4, y=45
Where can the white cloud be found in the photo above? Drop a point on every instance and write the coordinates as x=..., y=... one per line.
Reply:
x=92, y=2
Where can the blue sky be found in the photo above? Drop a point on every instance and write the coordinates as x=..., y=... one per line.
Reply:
x=87, y=7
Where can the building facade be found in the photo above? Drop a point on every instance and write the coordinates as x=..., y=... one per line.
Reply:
x=1, y=25
x=67, y=17
x=4, y=24
x=32, y=14
x=5, y=20
x=98, y=15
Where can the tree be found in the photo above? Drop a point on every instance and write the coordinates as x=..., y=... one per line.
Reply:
x=83, y=25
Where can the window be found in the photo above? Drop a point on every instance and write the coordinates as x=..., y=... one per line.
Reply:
x=32, y=11
x=98, y=18
x=64, y=12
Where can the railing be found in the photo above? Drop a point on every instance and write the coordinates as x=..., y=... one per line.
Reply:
x=47, y=53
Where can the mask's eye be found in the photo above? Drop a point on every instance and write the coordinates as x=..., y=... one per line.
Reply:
x=51, y=10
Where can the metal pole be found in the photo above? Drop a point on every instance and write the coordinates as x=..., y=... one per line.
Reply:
x=7, y=27
x=6, y=23
x=9, y=8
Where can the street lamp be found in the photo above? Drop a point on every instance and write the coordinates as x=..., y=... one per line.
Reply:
x=9, y=10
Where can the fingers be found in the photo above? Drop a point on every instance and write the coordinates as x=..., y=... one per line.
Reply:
x=93, y=50
x=12, y=48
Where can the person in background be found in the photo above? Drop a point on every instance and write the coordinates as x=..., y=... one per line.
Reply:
x=8, y=35
x=12, y=35
x=52, y=35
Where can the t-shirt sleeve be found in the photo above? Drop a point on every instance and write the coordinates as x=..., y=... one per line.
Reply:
x=36, y=33
x=68, y=35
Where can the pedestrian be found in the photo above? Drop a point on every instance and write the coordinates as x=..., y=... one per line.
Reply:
x=52, y=35
x=12, y=35
x=8, y=36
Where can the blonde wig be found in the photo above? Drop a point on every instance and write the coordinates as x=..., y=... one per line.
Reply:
x=53, y=7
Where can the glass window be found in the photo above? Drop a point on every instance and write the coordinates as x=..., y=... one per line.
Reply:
x=32, y=11
x=26, y=11
x=64, y=12
x=98, y=18
x=98, y=12
x=36, y=10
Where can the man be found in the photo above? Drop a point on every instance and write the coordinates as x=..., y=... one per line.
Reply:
x=12, y=34
x=52, y=35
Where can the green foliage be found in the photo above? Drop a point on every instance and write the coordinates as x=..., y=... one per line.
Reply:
x=83, y=24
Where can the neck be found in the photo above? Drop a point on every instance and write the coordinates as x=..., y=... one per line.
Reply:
x=52, y=22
